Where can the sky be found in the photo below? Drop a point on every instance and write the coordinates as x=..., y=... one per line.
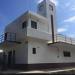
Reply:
x=65, y=13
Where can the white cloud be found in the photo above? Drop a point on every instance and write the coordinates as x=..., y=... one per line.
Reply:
x=71, y=35
x=71, y=19
x=60, y=30
x=67, y=4
x=54, y=1
x=40, y=1
x=72, y=8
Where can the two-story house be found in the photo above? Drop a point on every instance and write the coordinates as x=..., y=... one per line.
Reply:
x=31, y=41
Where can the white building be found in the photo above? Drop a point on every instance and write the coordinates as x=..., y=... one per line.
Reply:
x=31, y=41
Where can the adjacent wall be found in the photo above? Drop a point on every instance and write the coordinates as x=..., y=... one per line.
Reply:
x=22, y=53
x=49, y=53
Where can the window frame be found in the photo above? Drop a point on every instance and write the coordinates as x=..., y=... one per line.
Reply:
x=33, y=24
x=33, y=50
x=40, y=7
x=24, y=25
x=50, y=7
x=67, y=53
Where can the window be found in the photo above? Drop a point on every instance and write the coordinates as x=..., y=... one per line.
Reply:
x=51, y=7
x=34, y=24
x=67, y=54
x=5, y=37
x=41, y=7
x=24, y=25
x=34, y=50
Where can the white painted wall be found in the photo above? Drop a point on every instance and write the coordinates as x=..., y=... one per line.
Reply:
x=44, y=54
x=22, y=53
x=65, y=47
x=46, y=12
x=49, y=54
x=33, y=33
x=42, y=31
x=16, y=27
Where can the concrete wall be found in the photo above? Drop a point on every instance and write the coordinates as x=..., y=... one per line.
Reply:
x=47, y=12
x=22, y=53
x=41, y=8
x=16, y=27
x=33, y=33
x=66, y=47
x=42, y=27
x=44, y=54
x=42, y=31
x=49, y=53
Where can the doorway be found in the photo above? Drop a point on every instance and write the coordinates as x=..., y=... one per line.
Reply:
x=11, y=58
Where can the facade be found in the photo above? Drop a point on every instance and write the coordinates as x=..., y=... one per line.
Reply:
x=31, y=41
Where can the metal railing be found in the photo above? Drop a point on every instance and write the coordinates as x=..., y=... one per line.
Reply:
x=8, y=37
x=2, y=38
x=57, y=38
x=63, y=38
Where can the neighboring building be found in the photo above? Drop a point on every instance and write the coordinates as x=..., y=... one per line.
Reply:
x=31, y=41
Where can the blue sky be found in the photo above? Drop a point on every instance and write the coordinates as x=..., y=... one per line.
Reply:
x=65, y=16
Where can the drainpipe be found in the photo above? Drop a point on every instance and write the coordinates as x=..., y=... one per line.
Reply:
x=52, y=27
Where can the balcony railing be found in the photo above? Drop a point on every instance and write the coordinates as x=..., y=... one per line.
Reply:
x=63, y=38
x=11, y=37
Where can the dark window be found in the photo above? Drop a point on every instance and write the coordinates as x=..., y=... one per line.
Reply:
x=34, y=24
x=67, y=54
x=24, y=25
x=40, y=7
x=51, y=7
x=34, y=50
x=5, y=36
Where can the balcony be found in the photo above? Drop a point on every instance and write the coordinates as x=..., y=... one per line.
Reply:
x=8, y=39
x=62, y=38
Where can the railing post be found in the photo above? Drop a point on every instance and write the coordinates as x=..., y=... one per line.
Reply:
x=8, y=37
x=15, y=36
x=1, y=38
x=55, y=38
x=71, y=40
x=65, y=38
